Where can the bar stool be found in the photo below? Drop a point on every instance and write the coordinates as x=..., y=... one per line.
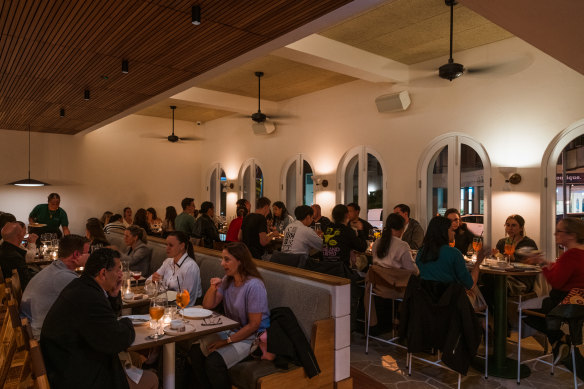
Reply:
x=387, y=283
x=573, y=314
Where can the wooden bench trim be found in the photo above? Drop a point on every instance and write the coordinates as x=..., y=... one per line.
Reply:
x=294, y=271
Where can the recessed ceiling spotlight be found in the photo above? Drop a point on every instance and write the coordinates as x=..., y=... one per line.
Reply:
x=86, y=94
x=125, y=66
x=196, y=15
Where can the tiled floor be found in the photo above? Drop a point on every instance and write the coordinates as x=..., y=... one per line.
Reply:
x=386, y=364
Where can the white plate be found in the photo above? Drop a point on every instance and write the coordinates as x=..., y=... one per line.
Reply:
x=139, y=320
x=189, y=327
x=197, y=313
x=497, y=267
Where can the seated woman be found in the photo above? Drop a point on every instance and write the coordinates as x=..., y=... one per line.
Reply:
x=154, y=222
x=438, y=261
x=94, y=232
x=462, y=236
x=235, y=225
x=180, y=271
x=245, y=300
x=138, y=254
x=515, y=235
x=390, y=250
x=565, y=273
x=281, y=217
x=141, y=220
x=168, y=223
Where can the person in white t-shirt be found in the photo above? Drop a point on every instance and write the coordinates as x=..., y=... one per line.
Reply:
x=390, y=250
x=298, y=237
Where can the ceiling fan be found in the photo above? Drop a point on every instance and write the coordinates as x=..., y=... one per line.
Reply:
x=452, y=70
x=172, y=137
x=262, y=123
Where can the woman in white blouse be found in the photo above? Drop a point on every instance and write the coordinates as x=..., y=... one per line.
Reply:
x=180, y=271
x=390, y=250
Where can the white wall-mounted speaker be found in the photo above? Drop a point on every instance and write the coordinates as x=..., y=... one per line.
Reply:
x=263, y=128
x=393, y=102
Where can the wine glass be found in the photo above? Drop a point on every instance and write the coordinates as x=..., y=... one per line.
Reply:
x=151, y=288
x=477, y=245
x=157, y=306
x=508, y=249
x=136, y=275
x=182, y=300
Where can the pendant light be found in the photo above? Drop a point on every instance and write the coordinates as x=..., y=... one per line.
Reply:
x=28, y=181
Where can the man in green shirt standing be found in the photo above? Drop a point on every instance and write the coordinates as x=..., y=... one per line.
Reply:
x=51, y=215
x=186, y=220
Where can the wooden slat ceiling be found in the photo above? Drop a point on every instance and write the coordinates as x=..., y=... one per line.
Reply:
x=53, y=50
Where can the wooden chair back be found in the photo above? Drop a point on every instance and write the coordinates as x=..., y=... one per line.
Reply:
x=7, y=341
x=39, y=372
x=16, y=286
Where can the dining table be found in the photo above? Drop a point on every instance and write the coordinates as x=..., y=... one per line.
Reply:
x=499, y=364
x=200, y=328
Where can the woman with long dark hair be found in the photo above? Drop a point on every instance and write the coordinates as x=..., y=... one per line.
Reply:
x=154, y=222
x=515, y=237
x=168, y=223
x=245, y=300
x=438, y=261
x=180, y=271
x=390, y=250
x=462, y=236
x=281, y=217
x=141, y=220
x=94, y=232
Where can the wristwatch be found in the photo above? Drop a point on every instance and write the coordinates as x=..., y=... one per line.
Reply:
x=229, y=340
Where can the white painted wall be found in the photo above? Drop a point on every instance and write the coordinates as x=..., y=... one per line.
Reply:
x=515, y=117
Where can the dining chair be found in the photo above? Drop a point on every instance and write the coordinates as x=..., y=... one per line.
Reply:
x=39, y=372
x=16, y=286
x=7, y=342
x=385, y=283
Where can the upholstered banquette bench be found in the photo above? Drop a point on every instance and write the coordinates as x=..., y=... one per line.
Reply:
x=320, y=303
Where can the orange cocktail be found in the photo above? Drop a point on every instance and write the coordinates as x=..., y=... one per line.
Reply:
x=182, y=300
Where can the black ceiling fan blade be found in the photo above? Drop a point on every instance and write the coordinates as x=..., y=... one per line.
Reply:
x=190, y=138
x=505, y=68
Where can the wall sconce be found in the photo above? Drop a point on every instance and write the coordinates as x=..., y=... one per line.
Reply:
x=511, y=177
x=228, y=186
x=320, y=182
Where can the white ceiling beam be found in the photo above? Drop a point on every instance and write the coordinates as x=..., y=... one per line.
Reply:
x=317, y=50
x=225, y=101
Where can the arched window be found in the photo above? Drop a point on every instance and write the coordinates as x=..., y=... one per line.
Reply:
x=217, y=194
x=251, y=181
x=452, y=174
x=296, y=183
x=563, y=170
x=361, y=181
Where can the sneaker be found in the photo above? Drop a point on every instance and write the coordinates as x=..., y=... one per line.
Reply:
x=561, y=352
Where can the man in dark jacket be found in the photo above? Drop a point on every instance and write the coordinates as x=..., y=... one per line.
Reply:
x=205, y=227
x=81, y=335
x=12, y=256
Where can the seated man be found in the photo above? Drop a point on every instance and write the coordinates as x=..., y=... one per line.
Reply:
x=414, y=233
x=185, y=221
x=339, y=239
x=12, y=256
x=298, y=237
x=354, y=210
x=254, y=229
x=205, y=227
x=81, y=336
x=318, y=218
x=44, y=288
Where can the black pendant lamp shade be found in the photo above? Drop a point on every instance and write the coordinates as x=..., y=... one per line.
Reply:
x=28, y=181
